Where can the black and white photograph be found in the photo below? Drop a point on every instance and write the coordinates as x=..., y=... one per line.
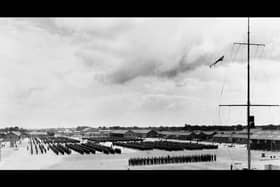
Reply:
x=140, y=93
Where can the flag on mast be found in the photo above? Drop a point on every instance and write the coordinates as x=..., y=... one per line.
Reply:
x=220, y=59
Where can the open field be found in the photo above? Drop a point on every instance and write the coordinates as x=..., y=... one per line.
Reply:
x=237, y=155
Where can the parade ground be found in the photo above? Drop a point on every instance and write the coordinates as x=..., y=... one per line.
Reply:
x=227, y=155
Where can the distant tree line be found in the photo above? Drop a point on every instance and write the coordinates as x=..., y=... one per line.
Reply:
x=15, y=128
x=213, y=127
x=270, y=127
x=186, y=127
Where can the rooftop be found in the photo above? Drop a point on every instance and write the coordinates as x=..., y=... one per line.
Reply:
x=119, y=131
x=186, y=133
x=141, y=131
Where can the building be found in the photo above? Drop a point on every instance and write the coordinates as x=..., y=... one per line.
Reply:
x=230, y=137
x=37, y=133
x=68, y=132
x=208, y=135
x=89, y=131
x=145, y=133
x=122, y=134
x=3, y=135
x=105, y=133
x=182, y=135
x=187, y=135
x=13, y=137
x=202, y=135
x=92, y=134
x=223, y=137
x=266, y=140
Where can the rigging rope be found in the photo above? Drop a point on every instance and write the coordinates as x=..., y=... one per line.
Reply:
x=253, y=74
x=232, y=58
x=256, y=52
x=233, y=54
x=273, y=113
x=221, y=93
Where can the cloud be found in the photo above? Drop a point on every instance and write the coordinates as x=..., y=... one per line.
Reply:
x=122, y=49
x=67, y=71
x=164, y=48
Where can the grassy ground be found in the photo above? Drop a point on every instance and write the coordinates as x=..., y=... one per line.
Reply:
x=237, y=155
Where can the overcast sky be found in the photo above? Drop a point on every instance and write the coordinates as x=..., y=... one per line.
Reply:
x=66, y=72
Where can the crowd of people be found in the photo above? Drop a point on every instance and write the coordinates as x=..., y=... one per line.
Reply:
x=173, y=159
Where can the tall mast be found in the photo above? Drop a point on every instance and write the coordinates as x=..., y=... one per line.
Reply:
x=248, y=105
x=248, y=98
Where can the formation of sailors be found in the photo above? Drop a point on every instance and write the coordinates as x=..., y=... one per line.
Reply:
x=174, y=159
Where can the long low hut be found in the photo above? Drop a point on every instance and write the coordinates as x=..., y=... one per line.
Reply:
x=266, y=140
x=260, y=139
x=203, y=135
x=222, y=138
x=187, y=135
x=150, y=133
x=182, y=135
x=145, y=133
x=141, y=133
x=231, y=137
x=122, y=133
